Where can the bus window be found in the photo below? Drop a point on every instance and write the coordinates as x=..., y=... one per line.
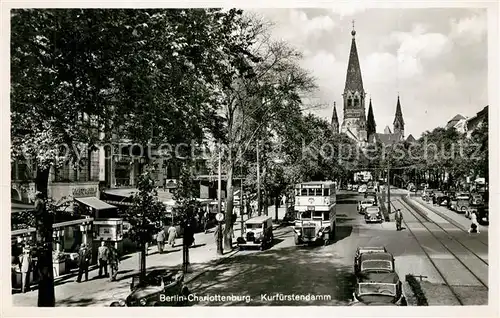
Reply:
x=306, y=215
x=326, y=192
x=303, y=192
x=326, y=215
x=317, y=214
x=318, y=192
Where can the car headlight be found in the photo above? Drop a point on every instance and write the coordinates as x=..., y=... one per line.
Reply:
x=143, y=301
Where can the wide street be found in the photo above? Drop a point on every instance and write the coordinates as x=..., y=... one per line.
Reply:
x=328, y=270
x=452, y=262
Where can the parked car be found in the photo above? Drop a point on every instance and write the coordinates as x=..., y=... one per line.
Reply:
x=379, y=289
x=258, y=233
x=461, y=203
x=441, y=198
x=375, y=259
x=373, y=214
x=154, y=289
x=362, y=188
x=364, y=204
x=482, y=214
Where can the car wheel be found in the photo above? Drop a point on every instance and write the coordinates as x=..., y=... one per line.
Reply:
x=261, y=247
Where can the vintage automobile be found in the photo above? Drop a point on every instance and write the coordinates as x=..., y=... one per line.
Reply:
x=476, y=201
x=160, y=288
x=362, y=188
x=258, y=233
x=379, y=289
x=460, y=203
x=373, y=214
x=441, y=198
x=364, y=204
x=373, y=259
x=482, y=214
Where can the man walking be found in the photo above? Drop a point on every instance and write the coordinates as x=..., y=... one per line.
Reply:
x=114, y=260
x=160, y=239
x=399, y=218
x=205, y=221
x=25, y=264
x=102, y=256
x=83, y=263
x=172, y=233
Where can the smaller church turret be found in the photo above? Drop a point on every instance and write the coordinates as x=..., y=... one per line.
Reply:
x=371, y=127
x=399, y=124
x=335, y=120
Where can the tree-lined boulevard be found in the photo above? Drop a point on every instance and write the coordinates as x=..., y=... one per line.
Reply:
x=84, y=79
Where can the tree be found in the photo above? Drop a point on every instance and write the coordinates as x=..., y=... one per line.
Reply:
x=137, y=74
x=144, y=214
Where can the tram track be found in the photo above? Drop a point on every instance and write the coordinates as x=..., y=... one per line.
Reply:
x=439, y=269
x=409, y=205
x=447, y=218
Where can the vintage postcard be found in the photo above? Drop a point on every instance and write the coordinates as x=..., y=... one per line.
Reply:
x=305, y=156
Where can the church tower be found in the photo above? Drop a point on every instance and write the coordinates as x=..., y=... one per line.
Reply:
x=335, y=120
x=399, y=124
x=371, y=127
x=354, y=124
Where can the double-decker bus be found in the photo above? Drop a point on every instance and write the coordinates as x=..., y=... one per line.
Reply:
x=315, y=209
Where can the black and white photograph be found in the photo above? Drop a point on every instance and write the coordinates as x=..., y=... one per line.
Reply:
x=329, y=155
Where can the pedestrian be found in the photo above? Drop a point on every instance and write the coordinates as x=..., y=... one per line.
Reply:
x=160, y=239
x=433, y=199
x=114, y=260
x=25, y=266
x=172, y=233
x=83, y=263
x=474, y=226
x=399, y=218
x=102, y=256
x=205, y=221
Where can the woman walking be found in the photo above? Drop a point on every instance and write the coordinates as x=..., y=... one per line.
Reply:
x=474, y=227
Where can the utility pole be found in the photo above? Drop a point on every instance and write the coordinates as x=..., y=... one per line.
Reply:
x=258, y=182
x=219, y=206
x=241, y=200
x=389, y=188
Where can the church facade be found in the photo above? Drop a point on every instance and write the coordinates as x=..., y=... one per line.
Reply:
x=356, y=124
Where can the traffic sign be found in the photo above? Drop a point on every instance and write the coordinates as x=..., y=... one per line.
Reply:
x=219, y=217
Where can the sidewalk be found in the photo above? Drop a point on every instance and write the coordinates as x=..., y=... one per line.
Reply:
x=101, y=292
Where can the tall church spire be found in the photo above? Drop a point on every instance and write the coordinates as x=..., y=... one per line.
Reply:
x=371, y=127
x=399, y=123
x=353, y=81
x=335, y=120
x=354, y=123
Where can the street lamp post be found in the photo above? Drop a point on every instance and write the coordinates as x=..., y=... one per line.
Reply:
x=241, y=201
x=277, y=161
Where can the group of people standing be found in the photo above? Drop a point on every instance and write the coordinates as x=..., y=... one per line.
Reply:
x=107, y=255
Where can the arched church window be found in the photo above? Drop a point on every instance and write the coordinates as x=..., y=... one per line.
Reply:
x=356, y=102
x=349, y=102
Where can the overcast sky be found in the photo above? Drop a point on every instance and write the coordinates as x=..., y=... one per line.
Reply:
x=435, y=58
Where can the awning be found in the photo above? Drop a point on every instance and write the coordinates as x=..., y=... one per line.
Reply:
x=21, y=207
x=95, y=203
x=126, y=193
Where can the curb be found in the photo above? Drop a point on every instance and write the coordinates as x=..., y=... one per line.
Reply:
x=414, y=202
x=417, y=290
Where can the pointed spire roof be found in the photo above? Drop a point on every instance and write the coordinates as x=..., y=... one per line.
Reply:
x=387, y=130
x=335, y=119
x=353, y=81
x=371, y=127
x=399, y=113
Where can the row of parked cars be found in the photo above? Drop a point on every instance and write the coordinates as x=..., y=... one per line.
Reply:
x=461, y=202
x=377, y=283
x=370, y=208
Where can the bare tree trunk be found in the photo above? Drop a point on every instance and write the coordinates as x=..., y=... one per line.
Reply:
x=46, y=295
